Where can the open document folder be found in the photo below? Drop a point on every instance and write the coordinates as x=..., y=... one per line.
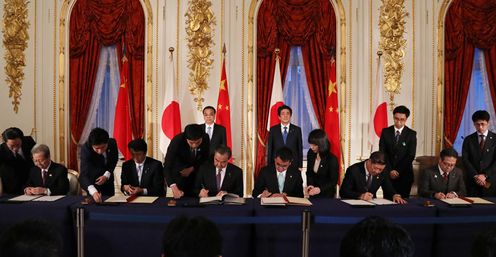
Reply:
x=370, y=203
x=231, y=199
x=131, y=199
x=283, y=201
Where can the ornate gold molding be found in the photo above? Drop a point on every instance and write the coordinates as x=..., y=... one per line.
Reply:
x=15, y=41
x=200, y=23
x=392, y=43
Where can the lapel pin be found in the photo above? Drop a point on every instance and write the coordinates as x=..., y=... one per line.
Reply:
x=404, y=144
x=435, y=176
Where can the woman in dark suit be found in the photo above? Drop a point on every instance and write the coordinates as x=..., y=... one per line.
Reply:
x=322, y=166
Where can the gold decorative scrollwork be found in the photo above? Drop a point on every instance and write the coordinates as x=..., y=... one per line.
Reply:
x=200, y=23
x=392, y=43
x=15, y=41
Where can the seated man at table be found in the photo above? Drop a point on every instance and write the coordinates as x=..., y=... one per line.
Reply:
x=186, y=153
x=443, y=180
x=15, y=160
x=377, y=237
x=192, y=237
x=31, y=238
x=142, y=175
x=219, y=177
x=363, y=179
x=98, y=160
x=46, y=177
x=279, y=178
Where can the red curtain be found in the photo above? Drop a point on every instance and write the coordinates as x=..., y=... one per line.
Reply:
x=94, y=23
x=468, y=25
x=282, y=24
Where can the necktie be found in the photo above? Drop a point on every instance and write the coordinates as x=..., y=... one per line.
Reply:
x=209, y=132
x=397, y=136
x=280, y=181
x=445, y=176
x=482, y=142
x=193, y=154
x=369, y=181
x=44, y=176
x=140, y=173
x=218, y=177
x=285, y=134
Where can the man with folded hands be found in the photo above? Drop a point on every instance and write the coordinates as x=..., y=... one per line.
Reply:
x=363, y=179
x=219, y=177
x=279, y=178
x=142, y=175
x=443, y=180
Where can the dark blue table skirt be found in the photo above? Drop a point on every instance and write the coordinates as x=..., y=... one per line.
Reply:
x=58, y=213
x=137, y=229
x=326, y=233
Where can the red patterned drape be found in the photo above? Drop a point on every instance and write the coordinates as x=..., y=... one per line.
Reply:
x=468, y=25
x=282, y=24
x=94, y=23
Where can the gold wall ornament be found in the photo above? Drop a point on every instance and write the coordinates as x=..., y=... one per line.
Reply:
x=392, y=43
x=15, y=41
x=200, y=23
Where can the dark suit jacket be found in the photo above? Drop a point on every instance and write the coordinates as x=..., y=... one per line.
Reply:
x=57, y=180
x=15, y=171
x=232, y=183
x=326, y=177
x=218, y=137
x=152, y=177
x=432, y=182
x=476, y=163
x=179, y=157
x=93, y=166
x=293, y=142
x=399, y=156
x=355, y=183
x=267, y=179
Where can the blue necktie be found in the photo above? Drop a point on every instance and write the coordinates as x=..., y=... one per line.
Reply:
x=285, y=134
x=280, y=181
x=397, y=136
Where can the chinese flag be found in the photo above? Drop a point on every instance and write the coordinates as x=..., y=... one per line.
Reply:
x=331, y=125
x=122, y=121
x=223, y=107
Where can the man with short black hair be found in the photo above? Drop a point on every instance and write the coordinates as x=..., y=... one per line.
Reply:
x=192, y=237
x=186, y=153
x=279, y=178
x=287, y=135
x=219, y=177
x=31, y=238
x=377, y=237
x=15, y=160
x=141, y=175
x=479, y=157
x=216, y=133
x=46, y=177
x=363, y=179
x=399, y=143
x=444, y=180
x=98, y=160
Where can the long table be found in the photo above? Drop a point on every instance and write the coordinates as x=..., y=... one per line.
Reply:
x=252, y=230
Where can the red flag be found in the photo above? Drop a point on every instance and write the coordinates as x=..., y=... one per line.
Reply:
x=331, y=125
x=223, y=107
x=379, y=114
x=276, y=98
x=171, y=116
x=122, y=122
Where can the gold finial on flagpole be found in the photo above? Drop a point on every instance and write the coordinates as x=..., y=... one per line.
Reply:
x=224, y=51
x=277, y=51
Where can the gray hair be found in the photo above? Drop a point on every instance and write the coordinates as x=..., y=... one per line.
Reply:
x=41, y=148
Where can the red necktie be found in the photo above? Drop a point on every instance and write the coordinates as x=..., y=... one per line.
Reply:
x=482, y=142
x=445, y=176
x=44, y=176
x=218, y=177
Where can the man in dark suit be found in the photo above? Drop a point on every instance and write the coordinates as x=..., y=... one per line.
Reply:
x=46, y=177
x=279, y=178
x=363, y=179
x=15, y=160
x=98, y=160
x=216, y=133
x=219, y=177
x=479, y=157
x=185, y=154
x=399, y=144
x=141, y=175
x=444, y=180
x=285, y=134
